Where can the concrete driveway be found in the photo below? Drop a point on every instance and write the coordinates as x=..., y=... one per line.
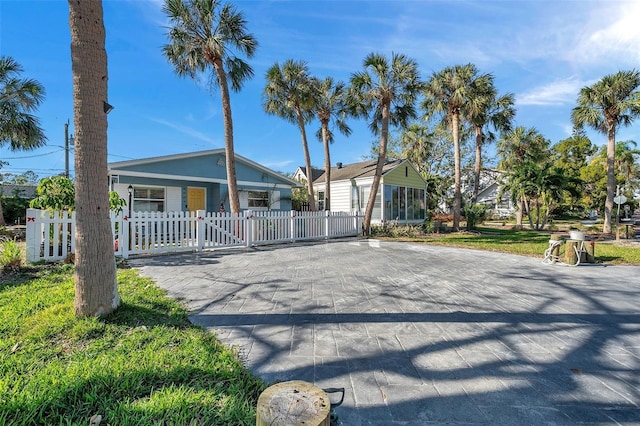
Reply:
x=422, y=334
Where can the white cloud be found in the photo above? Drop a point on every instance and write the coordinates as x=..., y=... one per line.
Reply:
x=187, y=131
x=277, y=165
x=617, y=37
x=559, y=92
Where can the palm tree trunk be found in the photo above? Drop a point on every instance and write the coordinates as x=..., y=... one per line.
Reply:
x=527, y=207
x=457, y=196
x=2, y=222
x=232, y=180
x=546, y=215
x=520, y=213
x=382, y=158
x=327, y=166
x=478, y=165
x=611, y=178
x=96, y=291
x=307, y=160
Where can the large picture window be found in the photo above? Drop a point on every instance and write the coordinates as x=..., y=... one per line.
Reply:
x=403, y=203
x=148, y=199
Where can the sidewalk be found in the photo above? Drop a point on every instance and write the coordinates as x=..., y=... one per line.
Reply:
x=421, y=334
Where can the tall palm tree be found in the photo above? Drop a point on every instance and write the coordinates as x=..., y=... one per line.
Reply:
x=204, y=34
x=289, y=94
x=449, y=93
x=96, y=291
x=329, y=103
x=517, y=148
x=487, y=110
x=385, y=93
x=18, y=99
x=607, y=104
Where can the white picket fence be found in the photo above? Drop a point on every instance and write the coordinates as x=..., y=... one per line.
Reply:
x=50, y=235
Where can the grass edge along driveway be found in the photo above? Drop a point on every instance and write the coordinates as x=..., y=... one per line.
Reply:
x=525, y=242
x=144, y=364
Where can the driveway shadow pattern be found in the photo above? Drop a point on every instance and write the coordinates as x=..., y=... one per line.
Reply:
x=422, y=334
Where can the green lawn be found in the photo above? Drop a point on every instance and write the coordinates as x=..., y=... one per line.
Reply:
x=528, y=243
x=145, y=364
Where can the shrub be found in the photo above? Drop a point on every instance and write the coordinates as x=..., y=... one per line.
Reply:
x=392, y=229
x=14, y=209
x=10, y=256
x=475, y=214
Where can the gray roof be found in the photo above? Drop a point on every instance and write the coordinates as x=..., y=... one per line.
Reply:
x=315, y=173
x=24, y=191
x=358, y=170
x=115, y=166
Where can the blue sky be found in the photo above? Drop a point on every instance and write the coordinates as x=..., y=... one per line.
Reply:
x=542, y=51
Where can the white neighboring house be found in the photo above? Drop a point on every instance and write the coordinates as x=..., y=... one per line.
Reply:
x=401, y=196
x=502, y=208
x=300, y=175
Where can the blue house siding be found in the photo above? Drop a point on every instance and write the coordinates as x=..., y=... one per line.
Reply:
x=206, y=170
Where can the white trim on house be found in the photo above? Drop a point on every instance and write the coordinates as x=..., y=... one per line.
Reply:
x=195, y=178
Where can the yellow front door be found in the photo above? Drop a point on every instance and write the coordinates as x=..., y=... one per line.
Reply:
x=195, y=199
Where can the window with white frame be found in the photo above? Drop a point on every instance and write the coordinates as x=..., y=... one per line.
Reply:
x=402, y=203
x=320, y=199
x=149, y=199
x=258, y=199
x=360, y=198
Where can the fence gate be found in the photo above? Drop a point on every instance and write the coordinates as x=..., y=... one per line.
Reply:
x=51, y=235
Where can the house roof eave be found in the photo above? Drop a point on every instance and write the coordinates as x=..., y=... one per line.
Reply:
x=116, y=167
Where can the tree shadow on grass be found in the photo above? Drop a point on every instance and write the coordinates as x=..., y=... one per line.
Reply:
x=173, y=395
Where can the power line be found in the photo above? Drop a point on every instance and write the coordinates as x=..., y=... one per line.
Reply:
x=32, y=156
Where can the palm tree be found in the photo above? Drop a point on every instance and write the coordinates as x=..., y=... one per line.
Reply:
x=450, y=93
x=626, y=159
x=416, y=143
x=290, y=94
x=539, y=186
x=487, y=109
x=607, y=104
x=96, y=291
x=207, y=33
x=329, y=103
x=18, y=99
x=517, y=148
x=385, y=92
